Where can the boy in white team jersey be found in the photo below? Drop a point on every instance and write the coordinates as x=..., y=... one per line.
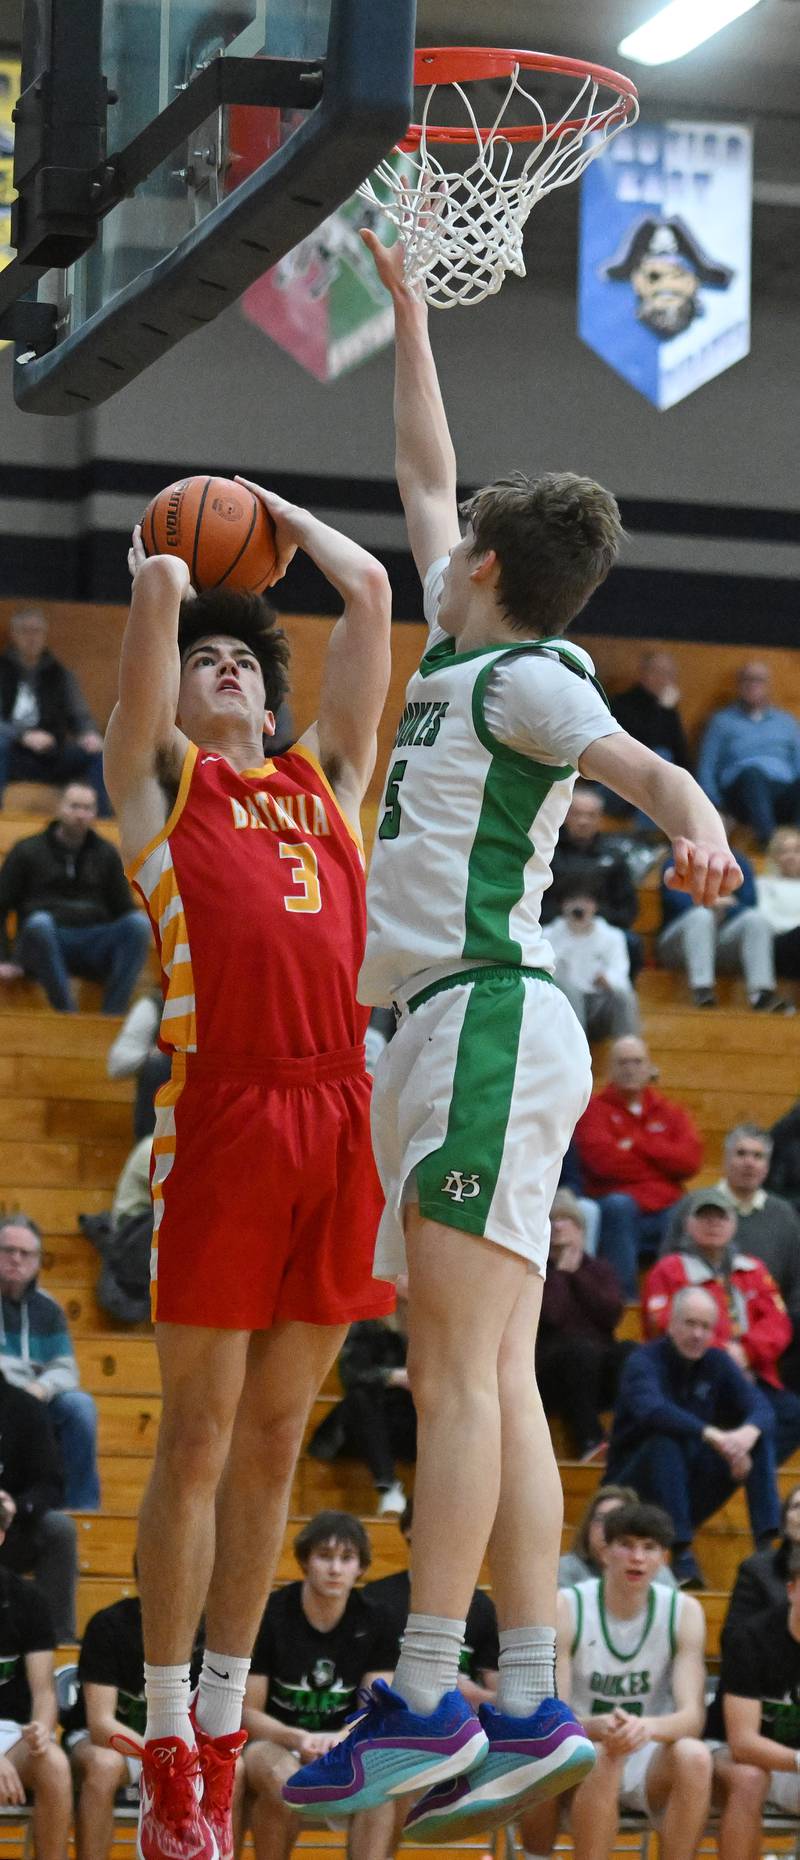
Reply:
x=476, y=1097
x=630, y=1660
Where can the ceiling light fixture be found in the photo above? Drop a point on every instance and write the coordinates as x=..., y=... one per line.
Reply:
x=677, y=28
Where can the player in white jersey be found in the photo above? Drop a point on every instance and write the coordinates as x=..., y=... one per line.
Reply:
x=630, y=1660
x=476, y=1097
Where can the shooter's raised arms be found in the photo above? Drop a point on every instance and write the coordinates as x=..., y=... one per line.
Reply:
x=425, y=461
x=355, y=676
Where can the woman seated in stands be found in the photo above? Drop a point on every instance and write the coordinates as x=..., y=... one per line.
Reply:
x=585, y=1555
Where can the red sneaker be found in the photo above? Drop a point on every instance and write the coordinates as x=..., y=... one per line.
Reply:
x=218, y=1760
x=172, y=1825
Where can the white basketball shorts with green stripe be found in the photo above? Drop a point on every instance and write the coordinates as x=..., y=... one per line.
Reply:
x=474, y=1103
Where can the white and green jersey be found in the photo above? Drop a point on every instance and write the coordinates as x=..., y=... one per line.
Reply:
x=623, y=1662
x=477, y=789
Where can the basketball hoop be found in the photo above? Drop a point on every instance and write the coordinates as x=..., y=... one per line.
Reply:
x=462, y=227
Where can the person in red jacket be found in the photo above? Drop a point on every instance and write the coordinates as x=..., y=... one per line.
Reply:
x=753, y=1324
x=636, y=1150
x=578, y=1358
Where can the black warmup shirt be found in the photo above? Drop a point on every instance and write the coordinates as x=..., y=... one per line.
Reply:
x=25, y=1627
x=314, y=1675
x=481, y=1650
x=112, y=1654
x=761, y=1660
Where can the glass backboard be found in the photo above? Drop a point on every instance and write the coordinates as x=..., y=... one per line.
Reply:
x=246, y=185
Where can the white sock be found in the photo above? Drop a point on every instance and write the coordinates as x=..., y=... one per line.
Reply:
x=527, y=1669
x=220, y=1695
x=430, y=1651
x=166, y=1689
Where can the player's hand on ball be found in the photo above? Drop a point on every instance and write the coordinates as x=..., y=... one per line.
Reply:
x=137, y=557
x=136, y=554
x=706, y=872
x=288, y=520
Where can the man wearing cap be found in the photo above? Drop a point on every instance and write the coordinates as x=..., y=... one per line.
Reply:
x=689, y=1427
x=753, y=1325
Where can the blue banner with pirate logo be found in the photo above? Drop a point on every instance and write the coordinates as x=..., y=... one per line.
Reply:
x=664, y=268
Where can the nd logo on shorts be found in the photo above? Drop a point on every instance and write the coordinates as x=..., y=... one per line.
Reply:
x=461, y=1187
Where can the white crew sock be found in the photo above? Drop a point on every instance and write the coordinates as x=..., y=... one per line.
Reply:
x=527, y=1669
x=430, y=1651
x=166, y=1689
x=220, y=1695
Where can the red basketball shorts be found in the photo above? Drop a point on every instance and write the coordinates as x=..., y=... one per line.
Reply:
x=266, y=1199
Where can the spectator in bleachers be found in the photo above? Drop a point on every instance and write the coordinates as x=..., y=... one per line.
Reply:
x=689, y=1428
x=571, y=1177
x=46, y=731
x=319, y=1641
x=749, y=762
x=756, y=1715
x=31, y=1763
x=592, y=967
x=480, y=1653
x=784, y=1168
x=649, y=709
x=733, y=935
x=761, y=1578
x=630, y=1662
x=578, y=1358
x=636, y=1149
x=585, y=1557
x=36, y=1354
x=778, y=891
x=584, y=848
x=110, y=1704
x=768, y=1226
x=123, y=1237
x=753, y=1325
x=75, y=913
x=376, y=1420
x=136, y=1054
x=40, y=1539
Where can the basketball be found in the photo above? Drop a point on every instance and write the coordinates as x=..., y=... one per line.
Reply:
x=221, y=531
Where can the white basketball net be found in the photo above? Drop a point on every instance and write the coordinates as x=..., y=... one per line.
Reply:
x=462, y=229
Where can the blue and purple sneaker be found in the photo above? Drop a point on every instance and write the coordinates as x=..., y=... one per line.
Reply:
x=527, y=1760
x=389, y=1752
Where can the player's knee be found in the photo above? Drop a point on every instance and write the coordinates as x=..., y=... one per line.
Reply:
x=50, y=1771
x=268, y=1444
x=745, y=1787
x=692, y=1760
x=193, y=1443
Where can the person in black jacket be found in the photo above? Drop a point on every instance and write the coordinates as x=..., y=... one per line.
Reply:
x=46, y=731
x=31, y=1763
x=583, y=852
x=75, y=912
x=376, y=1421
x=40, y=1540
x=761, y=1579
x=649, y=710
x=689, y=1428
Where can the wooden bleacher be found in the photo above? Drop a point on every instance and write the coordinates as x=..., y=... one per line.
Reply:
x=65, y=1131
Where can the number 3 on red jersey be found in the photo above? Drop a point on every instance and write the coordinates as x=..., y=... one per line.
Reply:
x=305, y=875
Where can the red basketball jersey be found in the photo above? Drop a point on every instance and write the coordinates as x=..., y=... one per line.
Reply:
x=255, y=890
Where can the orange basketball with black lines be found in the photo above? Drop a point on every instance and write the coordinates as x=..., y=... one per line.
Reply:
x=223, y=533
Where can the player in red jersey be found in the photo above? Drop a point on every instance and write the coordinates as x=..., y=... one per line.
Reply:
x=266, y=1199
